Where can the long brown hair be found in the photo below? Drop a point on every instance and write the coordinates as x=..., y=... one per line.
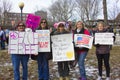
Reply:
x=20, y=23
x=46, y=27
x=59, y=25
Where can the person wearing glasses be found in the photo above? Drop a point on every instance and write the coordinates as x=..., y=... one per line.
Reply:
x=20, y=58
x=42, y=61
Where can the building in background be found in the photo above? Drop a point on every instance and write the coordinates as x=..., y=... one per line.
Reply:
x=11, y=18
x=115, y=23
x=42, y=14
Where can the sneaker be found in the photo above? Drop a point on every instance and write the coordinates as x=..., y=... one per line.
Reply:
x=99, y=78
x=107, y=78
x=61, y=78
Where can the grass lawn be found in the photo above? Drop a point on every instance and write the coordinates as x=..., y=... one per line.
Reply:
x=6, y=71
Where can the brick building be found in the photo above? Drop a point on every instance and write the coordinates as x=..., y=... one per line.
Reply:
x=11, y=18
x=113, y=23
x=42, y=14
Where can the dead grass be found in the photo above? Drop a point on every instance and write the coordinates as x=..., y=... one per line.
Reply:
x=6, y=71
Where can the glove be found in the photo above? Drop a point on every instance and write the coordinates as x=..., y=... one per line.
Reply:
x=97, y=45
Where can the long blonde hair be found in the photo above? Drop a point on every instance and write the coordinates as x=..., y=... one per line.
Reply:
x=83, y=25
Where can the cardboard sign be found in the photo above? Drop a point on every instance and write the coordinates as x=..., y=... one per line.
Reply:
x=104, y=38
x=82, y=40
x=23, y=42
x=62, y=47
x=33, y=21
x=44, y=40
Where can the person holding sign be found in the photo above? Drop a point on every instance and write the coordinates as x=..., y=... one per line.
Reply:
x=63, y=66
x=102, y=53
x=81, y=51
x=43, y=65
x=20, y=58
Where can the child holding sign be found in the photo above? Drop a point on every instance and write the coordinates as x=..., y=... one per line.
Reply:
x=102, y=53
x=20, y=58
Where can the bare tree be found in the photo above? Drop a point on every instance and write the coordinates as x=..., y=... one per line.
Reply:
x=105, y=12
x=114, y=10
x=62, y=10
x=5, y=7
x=88, y=9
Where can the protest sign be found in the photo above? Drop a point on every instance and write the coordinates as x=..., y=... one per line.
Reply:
x=82, y=40
x=44, y=40
x=62, y=47
x=23, y=42
x=104, y=38
x=33, y=21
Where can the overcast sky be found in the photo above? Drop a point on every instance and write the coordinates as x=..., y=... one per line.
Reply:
x=30, y=6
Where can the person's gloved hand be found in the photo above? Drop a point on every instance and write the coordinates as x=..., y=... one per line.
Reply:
x=97, y=45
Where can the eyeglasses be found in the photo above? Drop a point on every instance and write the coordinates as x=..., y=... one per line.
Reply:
x=20, y=25
x=43, y=22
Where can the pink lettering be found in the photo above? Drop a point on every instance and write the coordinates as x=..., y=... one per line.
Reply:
x=43, y=44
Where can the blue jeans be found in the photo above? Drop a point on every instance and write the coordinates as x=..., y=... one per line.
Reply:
x=81, y=64
x=16, y=60
x=2, y=44
x=43, y=68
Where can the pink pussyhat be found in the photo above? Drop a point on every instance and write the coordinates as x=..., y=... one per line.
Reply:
x=55, y=25
x=61, y=22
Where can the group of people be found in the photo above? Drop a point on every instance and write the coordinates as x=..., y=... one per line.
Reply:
x=102, y=53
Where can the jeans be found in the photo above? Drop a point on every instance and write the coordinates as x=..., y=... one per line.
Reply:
x=2, y=44
x=43, y=67
x=81, y=64
x=16, y=60
x=63, y=69
x=100, y=58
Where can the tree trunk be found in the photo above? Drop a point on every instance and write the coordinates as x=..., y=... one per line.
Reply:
x=105, y=12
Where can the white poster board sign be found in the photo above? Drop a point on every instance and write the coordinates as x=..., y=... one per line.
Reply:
x=104, y=38
x=23, y=42
x=44, y=40
x=62, y=47
x=82, y=40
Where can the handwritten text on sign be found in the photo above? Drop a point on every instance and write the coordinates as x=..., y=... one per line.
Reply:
x=23, y=42
x=62, y=47
x=82, y=40
x=32, y=21
x=44, y=40
x=104, y=38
